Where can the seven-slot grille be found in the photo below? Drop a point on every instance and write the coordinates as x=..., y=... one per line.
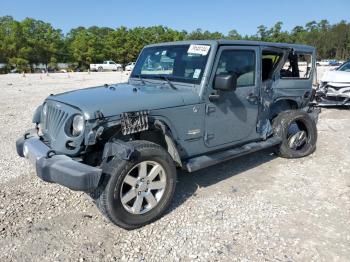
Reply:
x=55, y=118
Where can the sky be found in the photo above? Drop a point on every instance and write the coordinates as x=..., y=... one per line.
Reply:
x=222, y=15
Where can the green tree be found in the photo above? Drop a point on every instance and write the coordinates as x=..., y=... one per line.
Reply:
x=234, y=35
x=13, y=49
x=263, y=34
x=199, y=34
x=41, y=41
x=28, y=42
x=87, y=46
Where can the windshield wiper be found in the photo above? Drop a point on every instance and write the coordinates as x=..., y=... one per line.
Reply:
x=163, y=77
x=168, y=81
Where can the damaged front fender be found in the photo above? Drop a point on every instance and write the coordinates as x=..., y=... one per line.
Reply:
x=118, y=148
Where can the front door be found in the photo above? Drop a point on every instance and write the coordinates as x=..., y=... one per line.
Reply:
x=231, y=116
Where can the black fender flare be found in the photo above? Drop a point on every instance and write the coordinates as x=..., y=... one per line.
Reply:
x=172, y=150
x=37, y=115
x=126, y=151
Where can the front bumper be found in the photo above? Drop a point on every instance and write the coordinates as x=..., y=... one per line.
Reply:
x=59, y=169
x=333, y=97
x=333, y=101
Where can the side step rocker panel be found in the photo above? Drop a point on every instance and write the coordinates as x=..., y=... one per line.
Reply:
x=204, y=161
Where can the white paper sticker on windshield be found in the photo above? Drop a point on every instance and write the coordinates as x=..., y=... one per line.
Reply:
x=196, y=73
x=198, y=49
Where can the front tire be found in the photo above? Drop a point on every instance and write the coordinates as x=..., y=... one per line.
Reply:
x=298, y=132
x=140, y=190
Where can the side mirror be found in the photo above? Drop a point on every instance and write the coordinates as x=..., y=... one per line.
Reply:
x=225, y=82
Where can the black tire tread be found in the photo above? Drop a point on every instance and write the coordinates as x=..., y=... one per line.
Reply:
x=100, y=195
x=280, y=126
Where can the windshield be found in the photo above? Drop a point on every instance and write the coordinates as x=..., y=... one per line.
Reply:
x=183, y=63
x=345, y=67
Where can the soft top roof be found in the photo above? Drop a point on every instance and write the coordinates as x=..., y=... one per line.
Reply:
x=297, y=47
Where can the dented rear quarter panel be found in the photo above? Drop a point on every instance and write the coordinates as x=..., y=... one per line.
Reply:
x=295, y=89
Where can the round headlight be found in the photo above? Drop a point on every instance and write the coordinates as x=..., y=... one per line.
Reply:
x=77, y=125
x=45, y=109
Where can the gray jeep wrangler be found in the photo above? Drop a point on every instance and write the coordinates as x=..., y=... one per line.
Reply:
x=188, y=105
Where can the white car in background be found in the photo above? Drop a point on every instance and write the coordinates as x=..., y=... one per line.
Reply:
x=334, y=89
x=106, y=66
x=323, y=62
x=130, y=66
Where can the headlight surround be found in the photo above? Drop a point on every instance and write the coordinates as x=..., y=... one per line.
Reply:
x=77, y=125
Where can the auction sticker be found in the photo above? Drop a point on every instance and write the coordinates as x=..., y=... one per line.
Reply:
x=198, y=49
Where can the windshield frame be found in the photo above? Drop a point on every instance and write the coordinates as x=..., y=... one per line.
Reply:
x=186, y=80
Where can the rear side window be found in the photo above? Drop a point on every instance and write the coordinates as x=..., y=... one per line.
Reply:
x=240, y=62
x=270, y=60
x=297, y=66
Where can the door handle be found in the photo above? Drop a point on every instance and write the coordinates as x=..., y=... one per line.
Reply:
x=252, y=98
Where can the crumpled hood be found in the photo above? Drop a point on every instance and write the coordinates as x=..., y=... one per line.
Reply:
x=116, y=99
x=336, y=76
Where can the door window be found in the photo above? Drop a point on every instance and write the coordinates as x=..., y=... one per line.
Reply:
x=240, y=62
x=297, y=66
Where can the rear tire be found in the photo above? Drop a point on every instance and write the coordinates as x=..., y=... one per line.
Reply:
x=298, y=132
x=120, y=174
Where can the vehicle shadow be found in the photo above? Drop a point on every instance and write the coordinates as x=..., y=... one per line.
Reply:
x=188, y=183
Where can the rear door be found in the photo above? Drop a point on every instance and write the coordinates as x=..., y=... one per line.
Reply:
x=232, y=117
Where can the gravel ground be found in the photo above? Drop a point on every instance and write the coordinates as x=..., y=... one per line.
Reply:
x=258, y=207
